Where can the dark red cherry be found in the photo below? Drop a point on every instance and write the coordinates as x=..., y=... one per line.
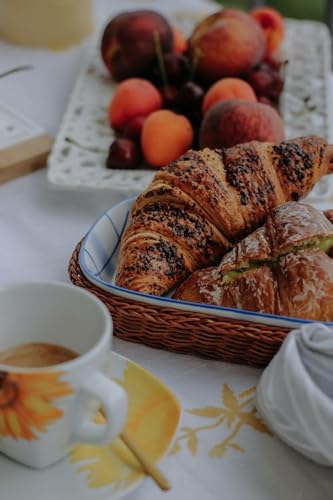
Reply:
x=266, y=81
x=169, y=94
x=275, y=61
x=123, y=154
x=133, y=128
x=265, y=100
x=190, y=96
x=177, y=68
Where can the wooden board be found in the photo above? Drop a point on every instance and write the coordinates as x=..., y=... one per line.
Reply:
x=24, y=157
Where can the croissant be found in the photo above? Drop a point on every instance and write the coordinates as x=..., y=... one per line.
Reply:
x=199, y=206
x=281, y=268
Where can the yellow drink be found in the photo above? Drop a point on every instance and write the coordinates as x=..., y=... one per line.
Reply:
x=53, y=24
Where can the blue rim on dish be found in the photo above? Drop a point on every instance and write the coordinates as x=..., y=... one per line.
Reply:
x=106, y=257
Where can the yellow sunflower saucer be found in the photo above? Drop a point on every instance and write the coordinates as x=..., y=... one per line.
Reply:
x=111, y=471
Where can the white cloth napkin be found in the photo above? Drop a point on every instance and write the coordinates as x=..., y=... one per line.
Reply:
x=295, y=393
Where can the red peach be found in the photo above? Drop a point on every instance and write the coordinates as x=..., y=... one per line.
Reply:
x=129, y=45
x=234, y=121
x=227, y=43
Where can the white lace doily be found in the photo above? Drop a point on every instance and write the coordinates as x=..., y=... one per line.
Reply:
x=305, y=109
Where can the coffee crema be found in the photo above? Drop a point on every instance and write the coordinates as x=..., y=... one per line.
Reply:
x=36, y=355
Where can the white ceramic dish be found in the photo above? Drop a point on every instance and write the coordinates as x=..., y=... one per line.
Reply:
x=304, y=106
x=98, y=261
x=106, y=472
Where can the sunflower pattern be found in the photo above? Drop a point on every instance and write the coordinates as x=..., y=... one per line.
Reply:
x=26, y=403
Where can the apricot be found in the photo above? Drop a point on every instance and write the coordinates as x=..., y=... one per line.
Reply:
x=128, y=45
x=272, y=23
x=179, y=40
x=228, y=88
x=227, y=43
x=165, y=137
x=133, y=97
x=234, y=121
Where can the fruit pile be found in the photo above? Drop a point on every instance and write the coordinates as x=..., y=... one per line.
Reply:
x=218, y=88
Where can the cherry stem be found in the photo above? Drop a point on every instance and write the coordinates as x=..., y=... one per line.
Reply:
x=92, y=149
x=160, y=60
x=15, y=70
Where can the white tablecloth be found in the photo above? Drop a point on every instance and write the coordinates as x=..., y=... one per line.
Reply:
x=40, y=226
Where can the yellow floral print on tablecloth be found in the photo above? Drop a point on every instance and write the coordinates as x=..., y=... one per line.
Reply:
x=153, y=417
x=26, y=403
x=236, y=411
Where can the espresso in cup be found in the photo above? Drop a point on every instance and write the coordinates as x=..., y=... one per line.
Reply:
x=46, y=404
x=36, y=355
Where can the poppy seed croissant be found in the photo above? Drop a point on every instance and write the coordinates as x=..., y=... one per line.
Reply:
x=200, y=205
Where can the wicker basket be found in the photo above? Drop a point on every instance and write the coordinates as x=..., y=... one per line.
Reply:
x=181, y=331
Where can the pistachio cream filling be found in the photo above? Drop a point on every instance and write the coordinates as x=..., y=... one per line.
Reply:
x=326, y=244
x=323, y=245
x=235, y=273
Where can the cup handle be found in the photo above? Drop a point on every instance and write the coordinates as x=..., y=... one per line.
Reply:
x=114, y=402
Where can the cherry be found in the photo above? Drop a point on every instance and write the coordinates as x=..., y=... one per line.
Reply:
x=266, y=81
x=265, y=100
x=188, y=102
x=169, y=94
x=123, y=154
x=189, y=97
x=177, y=67
x=133, y=128
x=275, y=61
x=172, y=69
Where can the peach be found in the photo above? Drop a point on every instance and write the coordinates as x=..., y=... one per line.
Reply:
x=133, y=97
x=129, y=46
x=272, y=24
x=165, y=136
x=227, y=43
x=228, y=88
x=234, y=121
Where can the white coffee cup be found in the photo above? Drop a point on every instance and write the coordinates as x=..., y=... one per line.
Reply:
x=43, y=411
